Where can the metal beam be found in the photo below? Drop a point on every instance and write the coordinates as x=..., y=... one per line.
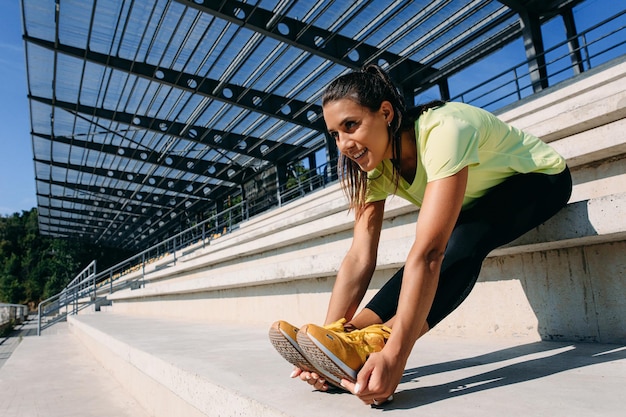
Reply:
x=294, y=111
x=94, y=204
x=69, y=222
x=472, y=55
x=262, y=149
x=469, y=56
x=83, y=215
x=515, y=5
x=182, y=187
x=217, y=170
x=542, y=8
x=572, y=41
x=116, y=193
x=320, y=42
x=532, y=13
x=142, y=214
x=77, y=224
x=535, y=52
x=66, y=230
x=90, y=230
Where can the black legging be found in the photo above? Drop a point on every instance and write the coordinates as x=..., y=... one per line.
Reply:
x=509, y=210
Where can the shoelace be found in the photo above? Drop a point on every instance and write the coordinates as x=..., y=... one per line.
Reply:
x=359, y=335
x=337, y=326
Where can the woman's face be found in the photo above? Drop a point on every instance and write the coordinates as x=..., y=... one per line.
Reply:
x=360, y=134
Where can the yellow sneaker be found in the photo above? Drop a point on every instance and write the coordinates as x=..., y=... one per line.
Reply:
x=283, y=337
x=341, y=354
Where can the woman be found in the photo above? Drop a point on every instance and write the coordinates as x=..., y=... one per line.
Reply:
x=479, y=183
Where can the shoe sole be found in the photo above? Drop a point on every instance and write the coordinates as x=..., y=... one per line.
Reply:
x=289, y=349
x=323, y=358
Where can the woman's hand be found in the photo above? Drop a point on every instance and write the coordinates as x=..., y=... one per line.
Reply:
x=381, y=374
x=378, y=379
x=313, y=379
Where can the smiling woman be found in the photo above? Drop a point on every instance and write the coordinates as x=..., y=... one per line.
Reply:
x=479, y=183
x=356, y=130
x=362, y=120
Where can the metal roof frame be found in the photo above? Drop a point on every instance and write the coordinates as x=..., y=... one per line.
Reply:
x=147, y=115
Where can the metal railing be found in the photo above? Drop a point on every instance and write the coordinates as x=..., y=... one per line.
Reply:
x=595, y=46
x=90, y=287
x=78, y=294
x=306, y=183
x=167, y=252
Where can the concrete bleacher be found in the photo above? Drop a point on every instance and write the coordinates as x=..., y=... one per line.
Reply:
x=275, y=263
x=192, y=340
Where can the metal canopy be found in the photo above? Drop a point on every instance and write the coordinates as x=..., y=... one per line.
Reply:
x=146, y=115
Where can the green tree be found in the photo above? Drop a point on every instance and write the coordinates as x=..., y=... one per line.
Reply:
x=296, y=174
x=34, y=267
x=11, y=289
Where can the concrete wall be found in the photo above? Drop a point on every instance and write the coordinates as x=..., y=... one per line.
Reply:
x=11, y=314
x=562, y=281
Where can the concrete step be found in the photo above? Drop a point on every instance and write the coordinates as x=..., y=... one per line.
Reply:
x=186, y=368
x=53, y=375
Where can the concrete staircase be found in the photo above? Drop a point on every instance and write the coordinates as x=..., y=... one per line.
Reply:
x=193, y=340
x=562, y=281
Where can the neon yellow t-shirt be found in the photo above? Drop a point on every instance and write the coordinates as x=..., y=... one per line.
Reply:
x=457, y=135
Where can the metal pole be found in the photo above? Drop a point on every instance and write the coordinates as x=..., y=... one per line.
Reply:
x=517, y=87
x=39, y=320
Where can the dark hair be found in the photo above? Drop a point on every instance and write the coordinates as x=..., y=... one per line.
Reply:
x=369, y=88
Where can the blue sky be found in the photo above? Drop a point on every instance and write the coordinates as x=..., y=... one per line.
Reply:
x=17, y=174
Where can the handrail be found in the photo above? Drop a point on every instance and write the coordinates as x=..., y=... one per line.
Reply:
x=82, y=275
x=516, y=84
x=205, y=231
x=91, y=283
x=81, y=286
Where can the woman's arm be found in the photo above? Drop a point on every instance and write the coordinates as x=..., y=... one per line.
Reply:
x=358, y=265
x=439, y=212
x=354, y=275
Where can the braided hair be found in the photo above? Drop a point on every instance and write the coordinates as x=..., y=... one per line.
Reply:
x=369, y=87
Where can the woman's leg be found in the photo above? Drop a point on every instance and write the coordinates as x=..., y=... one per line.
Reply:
x=508, y=211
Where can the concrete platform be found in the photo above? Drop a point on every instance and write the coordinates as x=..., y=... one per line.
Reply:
x=183, y=368
x=27, y=328
x=53, y=375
